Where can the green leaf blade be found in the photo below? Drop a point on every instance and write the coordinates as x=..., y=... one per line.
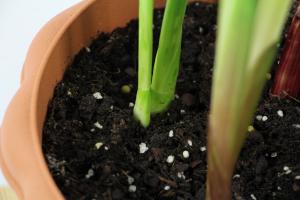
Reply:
x=167, y=60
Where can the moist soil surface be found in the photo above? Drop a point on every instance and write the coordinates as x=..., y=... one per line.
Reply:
x=96, y=150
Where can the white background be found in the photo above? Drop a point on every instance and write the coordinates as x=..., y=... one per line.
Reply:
x=20, y=20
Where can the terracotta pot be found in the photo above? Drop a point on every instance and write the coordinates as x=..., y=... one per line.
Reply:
x=21, y=156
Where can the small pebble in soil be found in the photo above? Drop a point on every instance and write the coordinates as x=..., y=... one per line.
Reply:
x=90, y=174
x=111, y=107
x=130, y=71
x=203, y=149
x=296, y=187
x=131, y=105
x=106, y=148
x=253, y=197
x=97, y=95
x=88, y=49
x=297, y=177
x=171, y=133
x=250, y=128
x=259, y=117
x=182, y=111
x=188, y=99
x=98, y=145
x=92, y=130
x=167, y=187
x=190, y=142
x=98, y=125
x=130, y=180
x=280, y=113
x=264, y=118
x=186, y=154
x=176, y=96
x=170, y=159
x=132, y=188
x=126, y=89
x=143, y=148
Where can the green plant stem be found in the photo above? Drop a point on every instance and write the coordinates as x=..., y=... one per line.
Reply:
x=142, y=104
x=167, y=60
x=248, y=34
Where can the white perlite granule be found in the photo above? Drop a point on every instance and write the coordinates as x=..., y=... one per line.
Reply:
x=274, y=154
x=97, y=95
x=296, y=125
x=280, y=113
x=167, y=187
x=171, y=133
x=264, y=118
x=297, y=177
x=98, y=145
x=131, y=105
x=143, y=148
x=253, y=197
x=203, y=149
x=236, y=176
x=130, y=180
x=98, y=125
x=186, y=154
x=181, y=175
x=287, y=170
x=170, y=159
x=88, y=49
x=90, y=174
x=259, y=117
x=132, y=188
x=69, y=93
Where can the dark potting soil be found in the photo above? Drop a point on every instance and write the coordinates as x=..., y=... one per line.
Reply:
x=96, y=150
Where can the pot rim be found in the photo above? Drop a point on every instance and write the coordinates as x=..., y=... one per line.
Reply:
x=31, y=76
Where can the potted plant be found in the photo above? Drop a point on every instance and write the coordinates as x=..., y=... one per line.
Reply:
x=91, y=144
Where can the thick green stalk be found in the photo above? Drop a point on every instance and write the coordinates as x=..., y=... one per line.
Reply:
x=233, y=42
x=247, y=36
x=143, y=97
x=167, y=60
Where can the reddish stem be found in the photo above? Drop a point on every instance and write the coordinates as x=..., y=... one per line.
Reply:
x=287, y=78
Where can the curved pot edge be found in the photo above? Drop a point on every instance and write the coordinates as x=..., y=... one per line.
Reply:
x=63, y=20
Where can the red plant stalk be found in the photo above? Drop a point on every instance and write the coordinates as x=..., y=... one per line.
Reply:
x=287, y=78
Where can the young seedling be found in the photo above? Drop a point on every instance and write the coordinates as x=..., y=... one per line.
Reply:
x=142, y=102
x=167, y=60
x=248, y=34
x=287, y=78
x=156, y=92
